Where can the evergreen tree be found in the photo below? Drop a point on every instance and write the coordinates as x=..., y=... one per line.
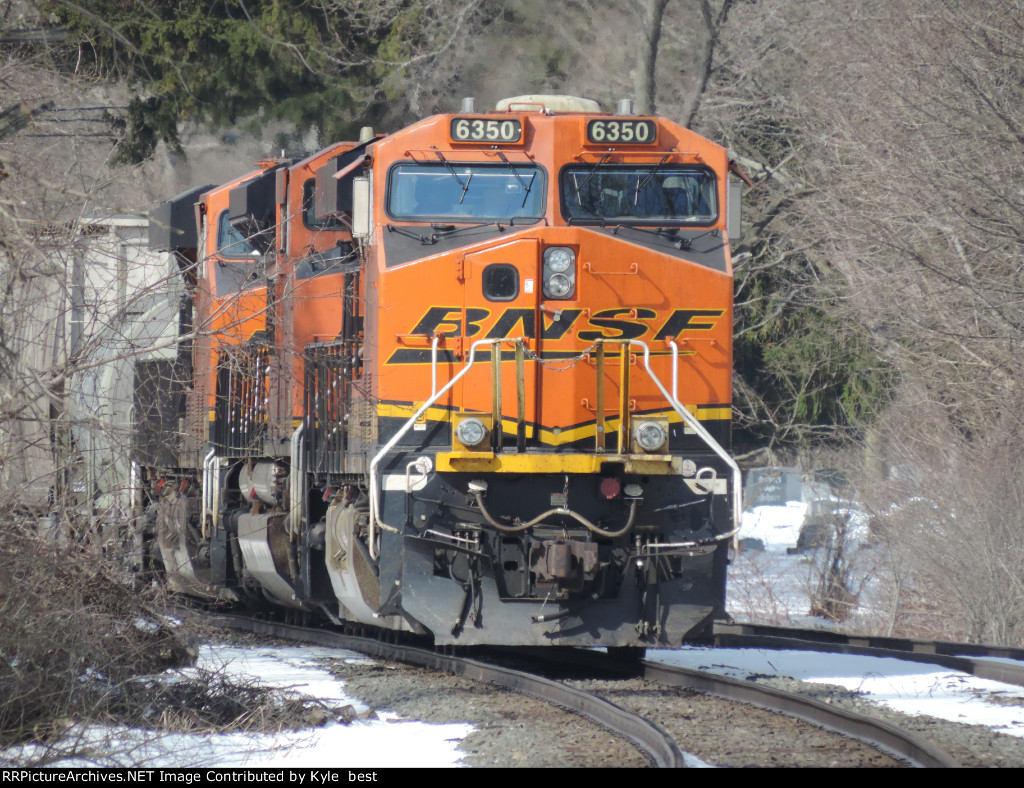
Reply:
x=318, y=65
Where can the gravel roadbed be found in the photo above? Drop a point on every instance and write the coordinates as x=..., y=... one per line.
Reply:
x=971, y=745
x=515, y=730
x=511, y=729
x=725, y=733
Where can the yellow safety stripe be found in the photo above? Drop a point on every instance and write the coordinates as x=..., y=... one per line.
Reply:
x=555, y=436
x=488, y=462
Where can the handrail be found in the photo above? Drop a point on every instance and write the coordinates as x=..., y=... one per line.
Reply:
x=207, y=497
x=433, y=364
x=675, y=368
x=634, y=269
x=375, y=521
x=296, y=496
x=672, y=398
x=693, y=423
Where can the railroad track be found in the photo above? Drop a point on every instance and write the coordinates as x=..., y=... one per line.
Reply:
x=888, y=738
x=649, y=737
x=899, y=743
x=976, y=660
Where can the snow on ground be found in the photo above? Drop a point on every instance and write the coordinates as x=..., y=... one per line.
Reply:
x=364, y=744
x=909, y=687
x=770, y=583
x=776, y=527
x=767, y=584
x=387, y=742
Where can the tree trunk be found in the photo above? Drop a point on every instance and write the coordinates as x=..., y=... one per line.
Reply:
x=649, y=14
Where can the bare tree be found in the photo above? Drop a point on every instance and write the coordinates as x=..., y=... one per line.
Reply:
x=888, y=145
x=648, y=15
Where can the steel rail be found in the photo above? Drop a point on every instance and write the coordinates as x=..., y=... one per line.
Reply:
x=876, y=733
x=889, y=738
x=651, y=738
x=965, y=657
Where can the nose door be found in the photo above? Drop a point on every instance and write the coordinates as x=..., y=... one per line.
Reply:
x=500, y=302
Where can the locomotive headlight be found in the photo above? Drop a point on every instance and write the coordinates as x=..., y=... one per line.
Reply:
x=557, y=259
x=558, y=286
x=471, y=432
x=650, y=435
x=559, y=272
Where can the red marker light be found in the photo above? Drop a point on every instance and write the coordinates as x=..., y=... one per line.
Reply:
x=610, y=487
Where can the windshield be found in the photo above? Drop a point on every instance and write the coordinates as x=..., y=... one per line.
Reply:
x=231, y=242
x=639, y=194
x=309, y=217
x=465, y=192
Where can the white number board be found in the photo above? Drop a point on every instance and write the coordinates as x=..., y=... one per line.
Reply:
x=622, y=132
x=485, y=130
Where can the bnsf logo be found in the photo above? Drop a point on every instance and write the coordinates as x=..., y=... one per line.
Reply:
x=617, y=323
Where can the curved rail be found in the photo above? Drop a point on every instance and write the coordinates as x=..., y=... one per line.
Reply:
x=897, y=742
x=955, y=656
x=646, y=735
x=890, y=739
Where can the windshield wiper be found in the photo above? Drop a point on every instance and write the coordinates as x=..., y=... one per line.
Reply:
x=447, y=231
x=640, y=184
x=526, y=186
x=590, y=175
x=663, y=232
x=440, y=231
x=668, y=233
x=423, y=239
x=455, y=175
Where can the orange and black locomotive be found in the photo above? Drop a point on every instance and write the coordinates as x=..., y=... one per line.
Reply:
x=469, y=380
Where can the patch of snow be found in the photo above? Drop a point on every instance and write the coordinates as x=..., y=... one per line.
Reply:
x=693, y=762
x=365, y=744
x=912, y=688
x=769, y=582
x=776, y=527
